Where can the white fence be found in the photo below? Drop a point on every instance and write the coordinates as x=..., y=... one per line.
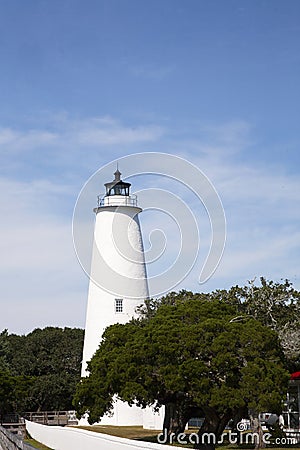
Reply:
x=65, y=438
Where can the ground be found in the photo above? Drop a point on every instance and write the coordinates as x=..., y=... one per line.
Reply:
x=139, y=433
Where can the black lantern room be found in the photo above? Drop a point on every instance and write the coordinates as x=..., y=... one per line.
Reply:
x=117, y=187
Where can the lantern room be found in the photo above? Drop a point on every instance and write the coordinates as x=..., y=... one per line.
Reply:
x=117, y=193
x=117, y=186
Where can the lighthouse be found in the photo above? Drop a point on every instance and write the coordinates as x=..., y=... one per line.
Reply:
x=118, y=279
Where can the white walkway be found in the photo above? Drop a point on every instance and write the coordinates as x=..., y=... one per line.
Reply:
x=65, y=438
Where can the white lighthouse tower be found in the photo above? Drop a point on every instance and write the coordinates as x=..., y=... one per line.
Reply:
x=118, y=281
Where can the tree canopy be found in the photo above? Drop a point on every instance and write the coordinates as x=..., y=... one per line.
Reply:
x=275, y=305
x=189, y=353
x=39, y=371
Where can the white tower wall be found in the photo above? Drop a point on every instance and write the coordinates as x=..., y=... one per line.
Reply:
x=118, y=285
x=117, y=272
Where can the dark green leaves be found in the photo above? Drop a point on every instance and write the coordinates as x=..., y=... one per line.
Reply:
x=187, y=348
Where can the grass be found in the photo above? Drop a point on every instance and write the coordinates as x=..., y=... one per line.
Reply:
x=36, y=444
x=132, y=432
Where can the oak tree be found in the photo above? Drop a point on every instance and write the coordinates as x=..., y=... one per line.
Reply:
x=189, y=354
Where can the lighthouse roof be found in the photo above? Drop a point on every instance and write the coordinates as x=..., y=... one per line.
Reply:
x=117, y=175
x=117, y=186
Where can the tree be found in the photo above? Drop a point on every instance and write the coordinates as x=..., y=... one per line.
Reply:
x=6, y=389
x=50, y=357
x=13, y=392
x=188, y=354
x=13, y=389
x=274, y=304
x=277, y=305
x=3, y=351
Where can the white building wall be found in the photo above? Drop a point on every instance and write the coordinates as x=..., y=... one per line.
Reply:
x=153, y=420
x=123, y=415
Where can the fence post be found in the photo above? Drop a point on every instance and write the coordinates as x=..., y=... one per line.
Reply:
x=10, y=441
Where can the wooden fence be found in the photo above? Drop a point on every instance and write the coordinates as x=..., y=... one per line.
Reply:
x=61, y=418
x=12, y=441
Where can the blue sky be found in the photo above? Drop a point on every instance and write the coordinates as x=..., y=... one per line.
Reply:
x=87, y=82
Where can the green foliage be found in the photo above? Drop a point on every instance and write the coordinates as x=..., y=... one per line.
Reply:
x=43, y=367
x=189, y=351
x=3, y=351
x=6, y=389
x=275, y=305
x=13, y=392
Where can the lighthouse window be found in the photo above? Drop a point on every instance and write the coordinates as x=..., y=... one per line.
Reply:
x=119, y=305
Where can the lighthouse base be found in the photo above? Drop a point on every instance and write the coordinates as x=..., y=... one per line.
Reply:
x=124, y=415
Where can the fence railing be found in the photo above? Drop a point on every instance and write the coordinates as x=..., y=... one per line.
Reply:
x=12, y=441
x=61, y=418
x=16, y=428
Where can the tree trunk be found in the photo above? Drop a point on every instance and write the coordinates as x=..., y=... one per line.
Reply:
x=239, y=414
x=258, y=434
x=212, y=429
x=175, y=420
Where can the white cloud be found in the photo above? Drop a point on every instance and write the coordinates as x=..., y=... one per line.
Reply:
x=7, y=136
x=235, y=133
x=11, y=139
x=114, y=135
x=95, y=131
x=41, y=278
x=262, y=211
x=67, y=147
